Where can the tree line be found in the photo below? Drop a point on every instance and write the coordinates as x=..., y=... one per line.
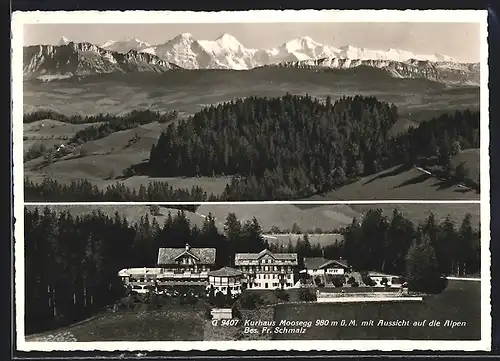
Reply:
x=380, y=243
x=83, y=191
x=296, y=146
x=141, y=115
x=71, y=262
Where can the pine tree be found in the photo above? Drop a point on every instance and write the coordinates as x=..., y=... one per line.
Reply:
x=422, y=269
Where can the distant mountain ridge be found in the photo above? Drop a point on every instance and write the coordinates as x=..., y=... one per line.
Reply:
x=227, y=53
x=48, y=62
x=445, y=72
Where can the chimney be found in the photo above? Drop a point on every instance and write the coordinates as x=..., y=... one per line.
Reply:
x=187, y=247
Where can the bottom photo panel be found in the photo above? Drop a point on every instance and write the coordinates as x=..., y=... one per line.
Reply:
x=252, y=272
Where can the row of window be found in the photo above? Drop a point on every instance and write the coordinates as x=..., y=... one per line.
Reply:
x=266, y=268
x=224, y=289
x=268, y=285
x=267, y=261
x=271, y=276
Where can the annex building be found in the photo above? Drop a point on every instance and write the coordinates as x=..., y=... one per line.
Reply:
x=267, y=270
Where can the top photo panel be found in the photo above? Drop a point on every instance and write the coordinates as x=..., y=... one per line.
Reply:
x=347, y=109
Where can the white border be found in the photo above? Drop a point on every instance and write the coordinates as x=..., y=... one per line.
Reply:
x=266, y=16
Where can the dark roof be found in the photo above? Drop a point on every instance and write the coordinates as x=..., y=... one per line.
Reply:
x=203, y=255
x=320, y=262
x=256, y=256
x=225, y=272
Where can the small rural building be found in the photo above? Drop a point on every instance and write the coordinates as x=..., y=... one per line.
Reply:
x=319, y=266
x=392, y=280
x=225, y=278
x=267, y=270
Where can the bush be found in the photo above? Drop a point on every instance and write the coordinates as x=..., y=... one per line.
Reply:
x=355, y=284
x=338, y=281
x=351, y=280
x=282, y=295
x=367, y=280
x=237, y=310
x=250, y=300
x=384, y=281
x=307, y=295
x=319, y=282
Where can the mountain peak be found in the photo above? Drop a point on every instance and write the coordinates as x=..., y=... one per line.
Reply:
x=184, y=36
x=229, y=41
x=63, y=41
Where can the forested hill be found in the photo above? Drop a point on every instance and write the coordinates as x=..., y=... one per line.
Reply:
x=295, y=146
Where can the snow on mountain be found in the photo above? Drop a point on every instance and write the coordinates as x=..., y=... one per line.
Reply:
x=125, y=46
x=83, y=59
x=185, y=51
x=226, y=52
x=63, y=41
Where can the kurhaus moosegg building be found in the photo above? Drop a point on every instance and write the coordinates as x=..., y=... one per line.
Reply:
x=267, y=270
x=175, y=266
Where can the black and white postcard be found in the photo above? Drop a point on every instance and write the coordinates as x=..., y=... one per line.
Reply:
x=254, y=180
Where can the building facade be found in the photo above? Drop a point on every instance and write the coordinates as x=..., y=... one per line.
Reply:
x=267, y=270
x=225, y=278
x=319, y=266
x=176, y=266
x=185, y=265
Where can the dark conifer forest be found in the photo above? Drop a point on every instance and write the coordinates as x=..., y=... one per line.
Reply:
x=71, y=262
x=296, y=146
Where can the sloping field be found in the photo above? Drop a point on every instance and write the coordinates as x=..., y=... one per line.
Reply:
x=460, y=302
x=171, y=325
x=472, y=162
x=417, y=213
x=399, y=184
x=322, y=239
x=104, y=160
x=284, y=215
x=132, y=213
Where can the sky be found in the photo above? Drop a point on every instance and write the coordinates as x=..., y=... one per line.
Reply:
x=458, y=40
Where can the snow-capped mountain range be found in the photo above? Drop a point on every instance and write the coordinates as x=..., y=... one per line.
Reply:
x=226, y=52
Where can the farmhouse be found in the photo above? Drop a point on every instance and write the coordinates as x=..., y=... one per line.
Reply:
x=319, y=266
x=225, y=278
x=266, y=270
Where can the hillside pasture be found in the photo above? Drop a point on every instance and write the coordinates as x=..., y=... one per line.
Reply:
x=133, y=214
x=471, y=159
x=418, y=213
x=326, y=217
x=160, y=325
x=398, y=183
x=321, y=239
x=103, y=162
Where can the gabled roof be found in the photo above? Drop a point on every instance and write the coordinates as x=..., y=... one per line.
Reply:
x=169, y=255
x=320, y=263
x=256, y=256
x=189, y=253
x=226, y=272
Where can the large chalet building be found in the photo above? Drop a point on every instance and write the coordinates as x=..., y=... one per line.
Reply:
x=267, y=270
x=175, y=266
